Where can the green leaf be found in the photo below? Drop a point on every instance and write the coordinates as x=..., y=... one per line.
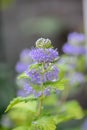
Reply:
x=13, y=103
x=60, y=84
x=23, y=113
x=18, y=100
x=21, y=128
x=23, y=75
x=44, y=123
x=73, y=109
x=68, y=111
x=34, y=66
x=57, y=84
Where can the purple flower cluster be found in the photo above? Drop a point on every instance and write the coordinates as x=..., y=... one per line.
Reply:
x=44, y=55
x=75, y=44
x=37, y=77
x=73, y=50
x=76, y=78
x=53, y=74
x=46, y=92
x=76, y=38
x=21, y=67
x=28, y=90
x=24, y=61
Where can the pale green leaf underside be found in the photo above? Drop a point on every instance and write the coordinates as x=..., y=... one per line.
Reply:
x=18, y=100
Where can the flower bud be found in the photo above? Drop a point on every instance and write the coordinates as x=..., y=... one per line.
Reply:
x=43, y=43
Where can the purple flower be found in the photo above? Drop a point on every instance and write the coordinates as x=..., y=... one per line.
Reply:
x=84, y=125
x=44, y=55
x=47, y=91
x=73, y=50
x=37, y=94
x=76, y=78
x=25, y=52
x=25, y=56
x=21, y=93
x=35, y=76
x=76, y=38
x=53, y=74
x=75, y=44
x=28, y=89
x=21, y=67
x=24, y=61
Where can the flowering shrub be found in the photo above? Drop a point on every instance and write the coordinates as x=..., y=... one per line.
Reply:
x=75, y=58
x=37, y=107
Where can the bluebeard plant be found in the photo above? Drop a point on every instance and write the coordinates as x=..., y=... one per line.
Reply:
x=75, y=44
x=43, y=57
x=39, y=79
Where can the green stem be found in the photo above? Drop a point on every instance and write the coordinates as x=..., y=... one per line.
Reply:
x=40, y=105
